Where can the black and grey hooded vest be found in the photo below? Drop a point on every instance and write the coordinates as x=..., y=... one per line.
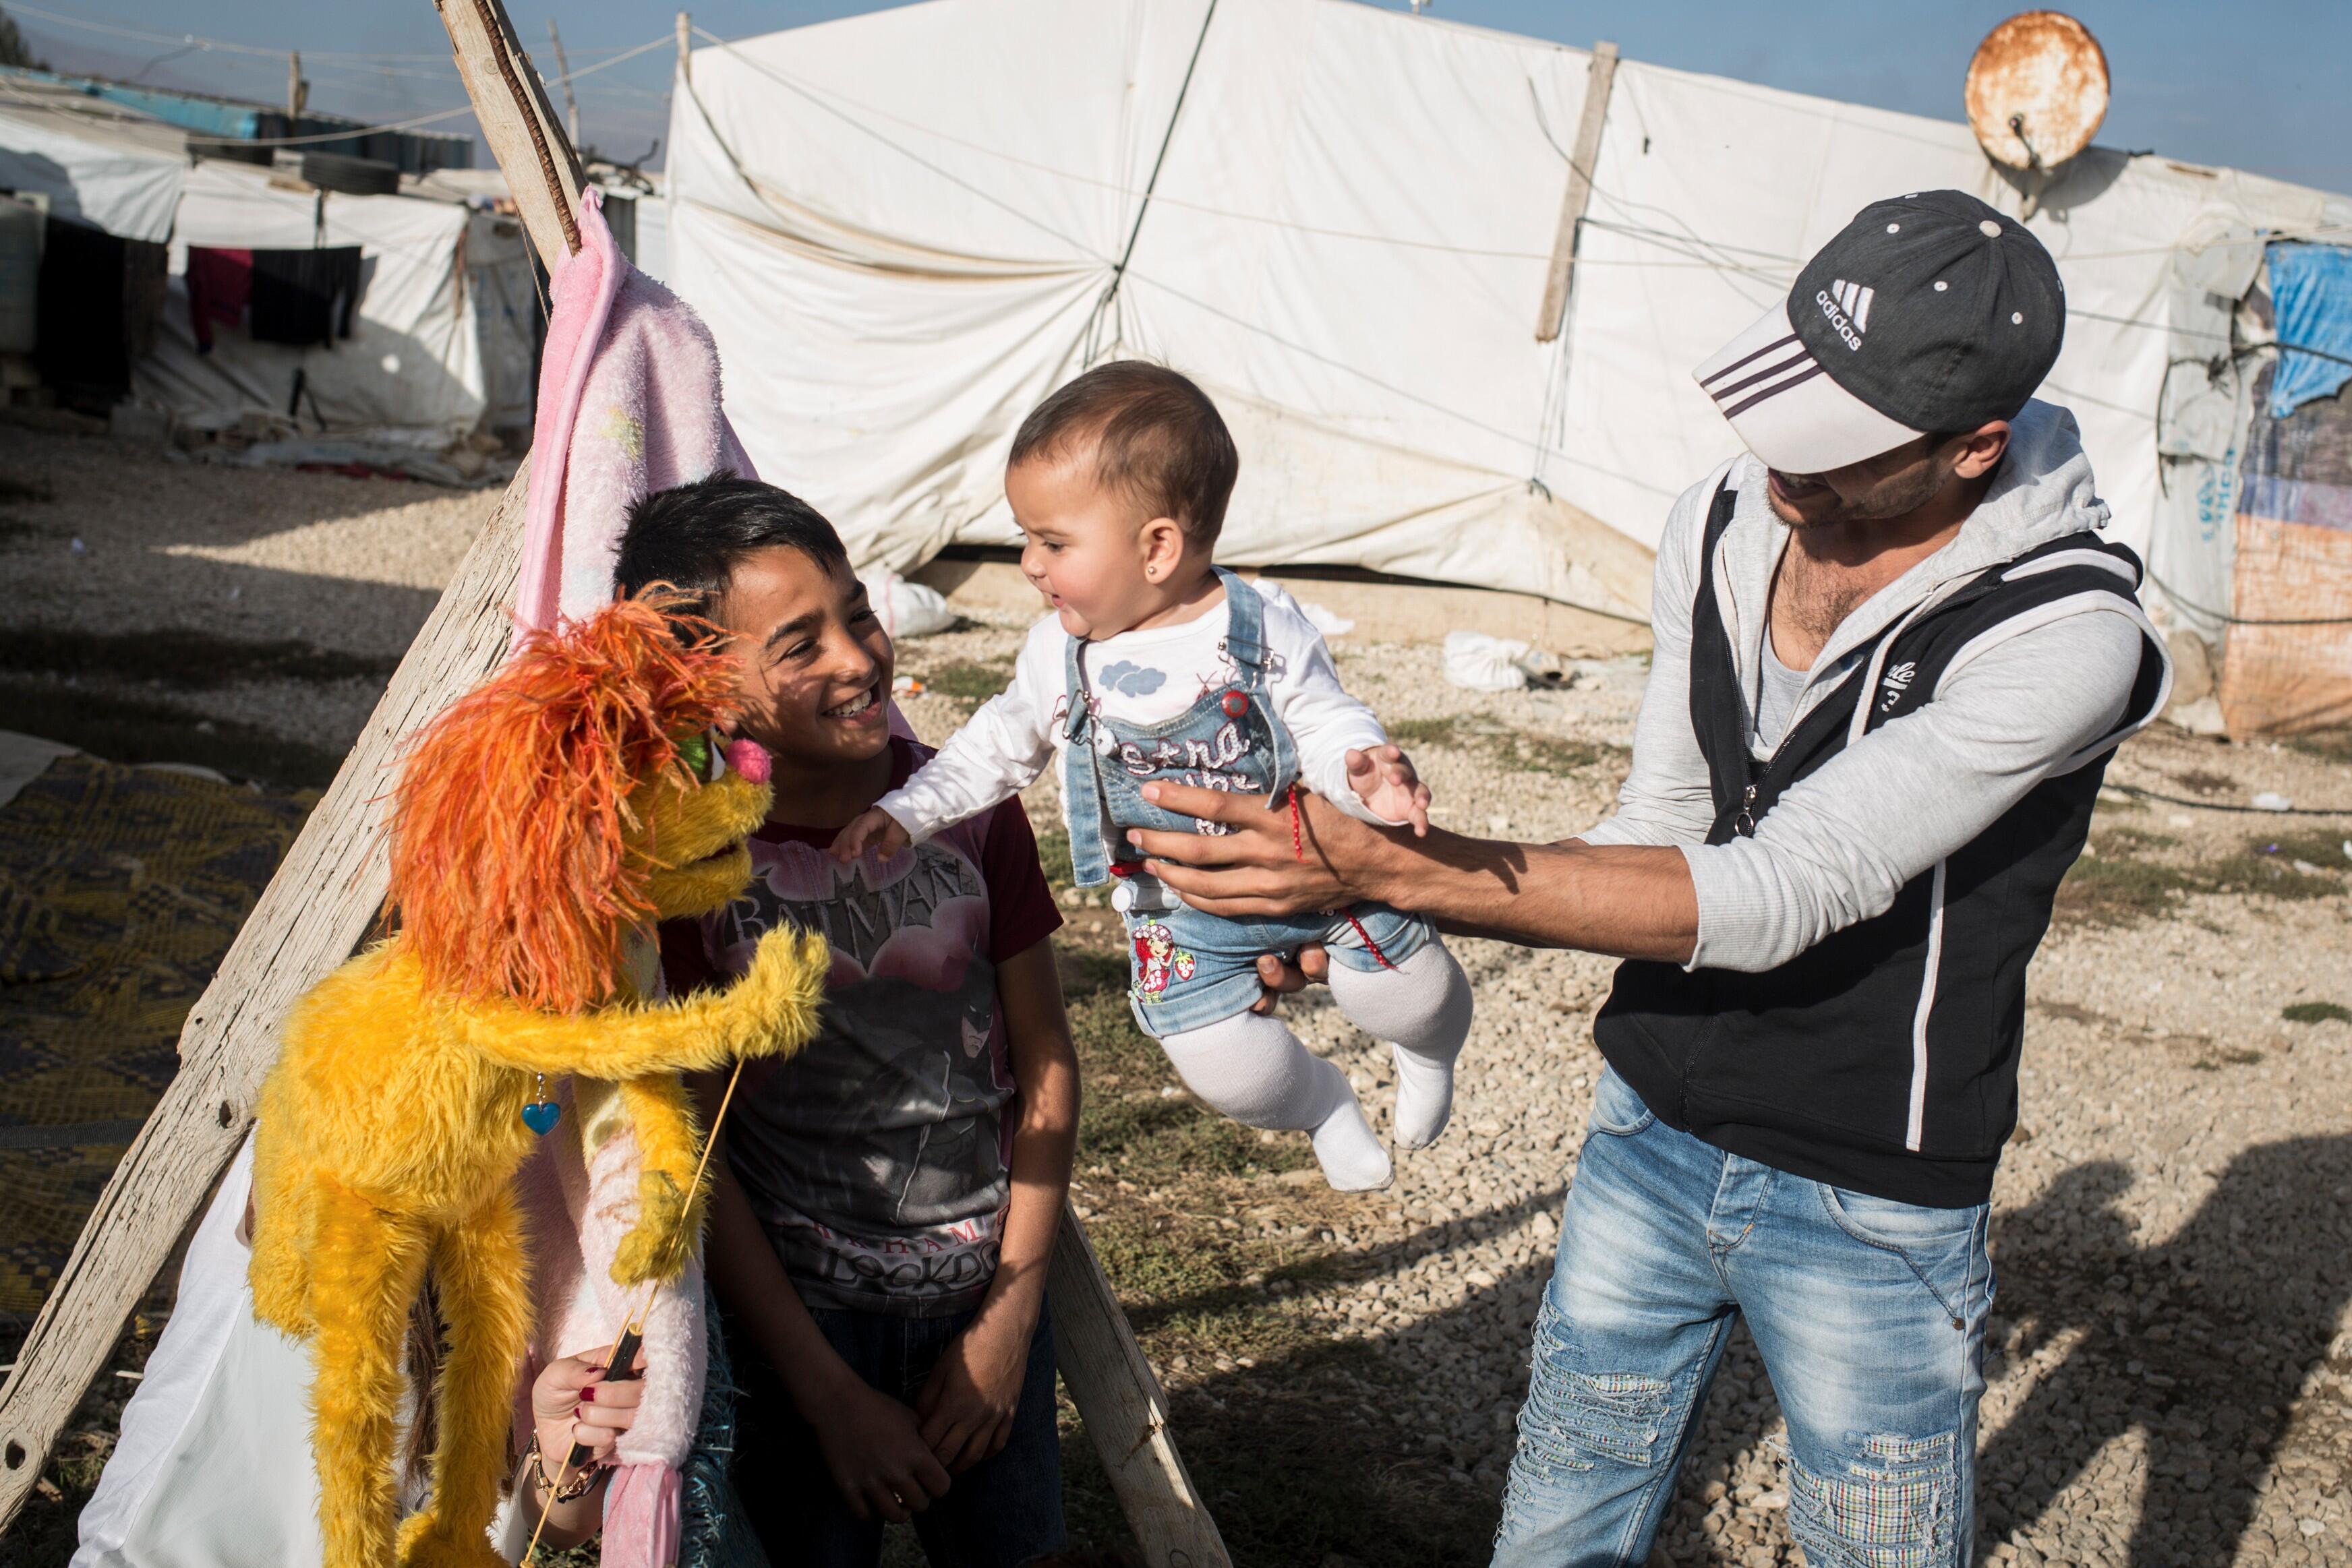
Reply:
x=1884, y=1058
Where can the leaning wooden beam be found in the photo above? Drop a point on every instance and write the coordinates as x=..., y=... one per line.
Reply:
x=313, y=913
x=1599, y=78
x=511, y=104
x=1112, y=1385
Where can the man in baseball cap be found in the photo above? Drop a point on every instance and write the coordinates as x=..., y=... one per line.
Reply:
x=1891, y=657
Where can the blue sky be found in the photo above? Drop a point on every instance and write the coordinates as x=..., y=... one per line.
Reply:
x=2260, y=84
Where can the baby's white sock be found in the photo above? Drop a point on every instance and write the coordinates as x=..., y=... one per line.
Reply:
x=1345, y=1146
x=1252, y=1068
x=1422, y=1008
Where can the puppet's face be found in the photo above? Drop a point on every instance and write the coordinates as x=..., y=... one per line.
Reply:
x=576, y=796
x=690, y=820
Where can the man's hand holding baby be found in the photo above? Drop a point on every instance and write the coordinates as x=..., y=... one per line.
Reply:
x=873, y=829
x=1384, y=781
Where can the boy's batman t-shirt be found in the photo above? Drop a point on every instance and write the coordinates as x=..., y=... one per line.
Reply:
x=878, y=1157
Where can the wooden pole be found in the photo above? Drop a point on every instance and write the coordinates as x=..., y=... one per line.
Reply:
x=511, y=104
x=685, y=47
x=1597, y=79
x=1111, y=1383
x=297, y=92
x=319, y=905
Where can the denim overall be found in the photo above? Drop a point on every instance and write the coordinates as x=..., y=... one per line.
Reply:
x=1190, y=969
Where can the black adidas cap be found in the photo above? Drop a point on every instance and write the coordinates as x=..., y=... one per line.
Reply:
x=1930, y=312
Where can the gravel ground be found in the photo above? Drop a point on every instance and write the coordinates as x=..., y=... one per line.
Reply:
x=2174, y=1341
x=112, y=539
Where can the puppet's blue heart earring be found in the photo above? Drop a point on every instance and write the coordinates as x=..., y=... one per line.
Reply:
x=541, y=1115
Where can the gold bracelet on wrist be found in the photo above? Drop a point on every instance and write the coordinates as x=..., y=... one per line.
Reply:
x=573, y=1489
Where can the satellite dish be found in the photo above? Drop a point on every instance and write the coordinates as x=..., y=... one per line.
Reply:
x=2037, y=90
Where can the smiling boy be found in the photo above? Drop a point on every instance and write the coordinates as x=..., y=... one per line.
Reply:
x=883, y=1219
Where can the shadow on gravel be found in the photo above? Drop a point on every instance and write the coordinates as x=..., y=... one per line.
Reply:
x=2203, y=1342
x=1303, y=1461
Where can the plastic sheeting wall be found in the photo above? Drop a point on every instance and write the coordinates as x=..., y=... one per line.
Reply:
x=906, y=227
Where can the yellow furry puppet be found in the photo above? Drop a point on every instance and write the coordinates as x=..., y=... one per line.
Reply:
x=569, y=802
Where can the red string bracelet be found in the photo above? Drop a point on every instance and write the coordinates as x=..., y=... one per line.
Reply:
x=1298, y=848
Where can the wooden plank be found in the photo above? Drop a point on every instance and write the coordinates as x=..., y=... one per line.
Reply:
x=1111, y=1383
x=314, y=912
x=511, y=104
x=1599, y=77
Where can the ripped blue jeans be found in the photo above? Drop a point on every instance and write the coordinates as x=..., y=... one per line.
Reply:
x=1869, y=1315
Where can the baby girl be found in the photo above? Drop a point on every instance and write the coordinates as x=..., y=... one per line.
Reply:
x=1157, y=664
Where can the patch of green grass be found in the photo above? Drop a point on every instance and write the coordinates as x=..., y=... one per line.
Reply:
x=2117, y=886
x=125, y=730
x=1445, y=733
x=2327, y=745
x=2266, y=865
x=2205, y=781
x=2114, y=889
x=189, y=661
x=2317, y=1012
x=969, y=681
x=1520, y=750
x=2130, y=839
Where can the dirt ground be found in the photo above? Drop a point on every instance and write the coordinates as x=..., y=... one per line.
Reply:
x=2173, y=1342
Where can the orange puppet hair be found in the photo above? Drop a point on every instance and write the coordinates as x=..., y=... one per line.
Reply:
x=511, y=872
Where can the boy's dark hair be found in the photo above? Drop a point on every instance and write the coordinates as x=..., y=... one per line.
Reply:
x=693, y=536
x=1157, y=439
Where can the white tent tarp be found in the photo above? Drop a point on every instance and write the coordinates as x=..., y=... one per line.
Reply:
x=906, y=227
x=97, y=164
x=438, y=340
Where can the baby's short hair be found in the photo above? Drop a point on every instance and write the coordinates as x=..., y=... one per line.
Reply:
x=1157, y=439
x=693, y=536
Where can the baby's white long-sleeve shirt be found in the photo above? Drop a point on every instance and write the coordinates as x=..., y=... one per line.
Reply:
x=1142, y=678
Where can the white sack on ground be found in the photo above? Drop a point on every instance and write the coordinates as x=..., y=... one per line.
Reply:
x=1479, y=663
x=906, y=609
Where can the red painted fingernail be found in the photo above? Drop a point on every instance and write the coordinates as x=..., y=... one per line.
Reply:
x=588, y=1396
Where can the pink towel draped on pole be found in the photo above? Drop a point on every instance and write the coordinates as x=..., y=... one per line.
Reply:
x=628, y=405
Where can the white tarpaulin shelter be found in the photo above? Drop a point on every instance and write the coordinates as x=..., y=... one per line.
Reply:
x=441, y=343
x=100, y=164
x=906, y=227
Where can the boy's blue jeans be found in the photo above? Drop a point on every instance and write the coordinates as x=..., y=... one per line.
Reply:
x=1001, y=1512
x=1869, y=1315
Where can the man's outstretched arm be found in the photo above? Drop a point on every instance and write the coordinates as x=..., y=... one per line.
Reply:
x=1632, y=901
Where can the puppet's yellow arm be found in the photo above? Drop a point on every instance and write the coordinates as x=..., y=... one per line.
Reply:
x=771, y=1012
